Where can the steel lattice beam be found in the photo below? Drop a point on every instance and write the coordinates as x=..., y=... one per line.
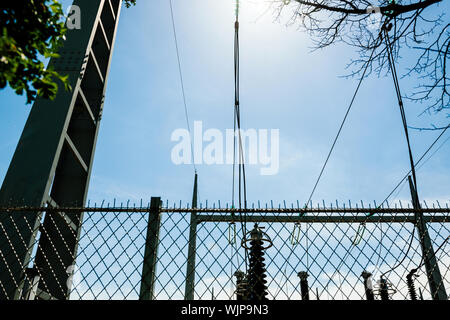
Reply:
x=53, y=159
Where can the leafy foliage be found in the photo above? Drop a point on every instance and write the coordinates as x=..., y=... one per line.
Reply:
x=129, y=3
x=31, y=31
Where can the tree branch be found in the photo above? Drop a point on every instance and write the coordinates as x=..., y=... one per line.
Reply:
x=391, y=10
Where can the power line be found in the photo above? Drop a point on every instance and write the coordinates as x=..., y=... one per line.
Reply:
x=405, y=127
x=342, y=125
x=400, y=103
x=435, y=151
x=186, y=113
x=417, y=163
x=405, y=255
x=351, y=103
x=332, y=148
x=349, y=108
x=237, y=116
x=334, y=144
x=435, y=252
x=237, y=126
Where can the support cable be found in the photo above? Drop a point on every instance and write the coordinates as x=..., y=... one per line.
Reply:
x=386, y=28
x=343, y=122
x=348, y=110
x=417, y=163
x=445, y=129
x=435, y=252
x=405, y=127
x=186, y=113
x=242, y=184
x=400, y=102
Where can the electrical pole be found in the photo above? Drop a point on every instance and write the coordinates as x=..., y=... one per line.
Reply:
x=435, y=282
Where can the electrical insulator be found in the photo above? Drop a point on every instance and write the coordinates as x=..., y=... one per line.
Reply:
x=256, y=277
x=367, y=276
x=411, y=286
x=383, y=289
x=304, y=285
x=241, y=285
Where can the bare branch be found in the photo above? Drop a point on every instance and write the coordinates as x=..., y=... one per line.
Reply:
x=358, y=24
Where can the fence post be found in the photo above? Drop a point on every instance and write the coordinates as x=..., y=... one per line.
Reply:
x=190, y=271
x=433, y=273
x=151, y=250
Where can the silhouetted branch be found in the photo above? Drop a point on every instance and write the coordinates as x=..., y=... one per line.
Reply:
x=433, y=128
x=358, y=24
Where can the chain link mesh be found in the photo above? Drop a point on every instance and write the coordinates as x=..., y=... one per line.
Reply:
x=333, y=248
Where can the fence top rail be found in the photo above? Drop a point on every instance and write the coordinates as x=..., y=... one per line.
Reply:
x=322, y=219
x=368, y=211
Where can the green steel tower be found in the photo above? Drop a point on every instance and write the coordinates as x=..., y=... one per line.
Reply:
x=53, y=160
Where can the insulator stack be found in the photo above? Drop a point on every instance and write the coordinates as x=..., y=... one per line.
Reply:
x=257, y=283
x=411, y=286
x=383, y=290
x=257, y=272
x=304, y=288
x=241, y=286
x=367, y=276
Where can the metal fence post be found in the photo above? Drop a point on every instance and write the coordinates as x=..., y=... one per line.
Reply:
x=190, y=270
x=435, y=282
x=151, y=251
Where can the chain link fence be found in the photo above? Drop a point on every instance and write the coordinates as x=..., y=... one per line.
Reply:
x=99, y=253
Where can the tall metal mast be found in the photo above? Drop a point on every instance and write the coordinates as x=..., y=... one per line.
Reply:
x=53, y=160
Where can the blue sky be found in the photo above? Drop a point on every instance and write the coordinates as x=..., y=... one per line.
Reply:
x=284, y=85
